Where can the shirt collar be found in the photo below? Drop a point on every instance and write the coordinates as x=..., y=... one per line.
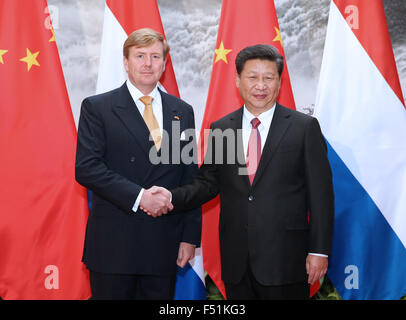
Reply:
x=264, y=117
x=136, y=94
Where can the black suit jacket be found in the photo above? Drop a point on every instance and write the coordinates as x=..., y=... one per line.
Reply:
x=113, y=161
x=267, y=223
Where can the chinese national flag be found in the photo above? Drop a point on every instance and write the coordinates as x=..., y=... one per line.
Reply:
x=43, y=211
x=242, y=23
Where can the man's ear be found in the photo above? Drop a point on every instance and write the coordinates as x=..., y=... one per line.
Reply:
x=125, y=62
x=237, y=80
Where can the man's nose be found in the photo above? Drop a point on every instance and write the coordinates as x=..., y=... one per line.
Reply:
x=261, y=84
x=148, y=60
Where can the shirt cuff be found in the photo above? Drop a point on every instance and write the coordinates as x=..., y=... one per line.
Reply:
x=318, y=254
x=138, y=200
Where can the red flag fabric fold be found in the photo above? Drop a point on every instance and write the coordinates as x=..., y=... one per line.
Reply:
x=43, y=211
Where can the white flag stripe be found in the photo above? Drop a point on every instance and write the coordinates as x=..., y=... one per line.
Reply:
x=197, y=263
x=366, y=126
x=111, y=69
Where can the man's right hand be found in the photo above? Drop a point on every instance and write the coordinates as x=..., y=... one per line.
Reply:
x=156, y=201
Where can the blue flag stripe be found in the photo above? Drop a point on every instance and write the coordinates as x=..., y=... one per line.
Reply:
x=367, y=256
x=189, y=286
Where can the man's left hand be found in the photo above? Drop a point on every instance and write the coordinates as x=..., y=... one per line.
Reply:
x=316, y=267
x=186, y=253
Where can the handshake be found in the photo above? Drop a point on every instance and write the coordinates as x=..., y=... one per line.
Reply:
x=156, y=201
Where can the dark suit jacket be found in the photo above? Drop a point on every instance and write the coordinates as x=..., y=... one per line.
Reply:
x=267, y=223
x=113, y=161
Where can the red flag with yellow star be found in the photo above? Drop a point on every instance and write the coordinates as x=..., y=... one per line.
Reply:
x=242, y=23
x=43, y=211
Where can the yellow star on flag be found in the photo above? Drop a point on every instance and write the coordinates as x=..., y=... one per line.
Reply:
x=2, y=52
x=53, y=36
x=278, y=36
x=221, y=53
x=30, y=59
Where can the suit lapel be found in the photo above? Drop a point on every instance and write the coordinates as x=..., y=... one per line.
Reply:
x=169, y=111
x=280, y=123
x=236, y=125
x=128, y=113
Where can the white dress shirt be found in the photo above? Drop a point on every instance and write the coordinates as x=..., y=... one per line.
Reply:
x=265, y=118
x=158, y=113
x=156, y=102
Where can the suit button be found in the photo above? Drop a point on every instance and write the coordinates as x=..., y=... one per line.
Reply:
x=250, y=198
x=132, y=159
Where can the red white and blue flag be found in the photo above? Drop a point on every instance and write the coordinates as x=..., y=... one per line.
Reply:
x=362, y=113
x=122, y=17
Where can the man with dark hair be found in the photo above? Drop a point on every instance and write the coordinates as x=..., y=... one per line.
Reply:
x=129, y=254
x=276, y=209
x=261, y=52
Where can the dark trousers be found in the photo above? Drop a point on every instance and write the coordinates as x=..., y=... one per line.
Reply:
x=131, y=287
x=250, y=289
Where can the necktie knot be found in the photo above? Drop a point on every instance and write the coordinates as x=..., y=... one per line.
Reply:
x=255, y=123
x=147, y=100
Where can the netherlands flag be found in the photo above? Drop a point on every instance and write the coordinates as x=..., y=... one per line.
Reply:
x=120, y=19
x=362, y=113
